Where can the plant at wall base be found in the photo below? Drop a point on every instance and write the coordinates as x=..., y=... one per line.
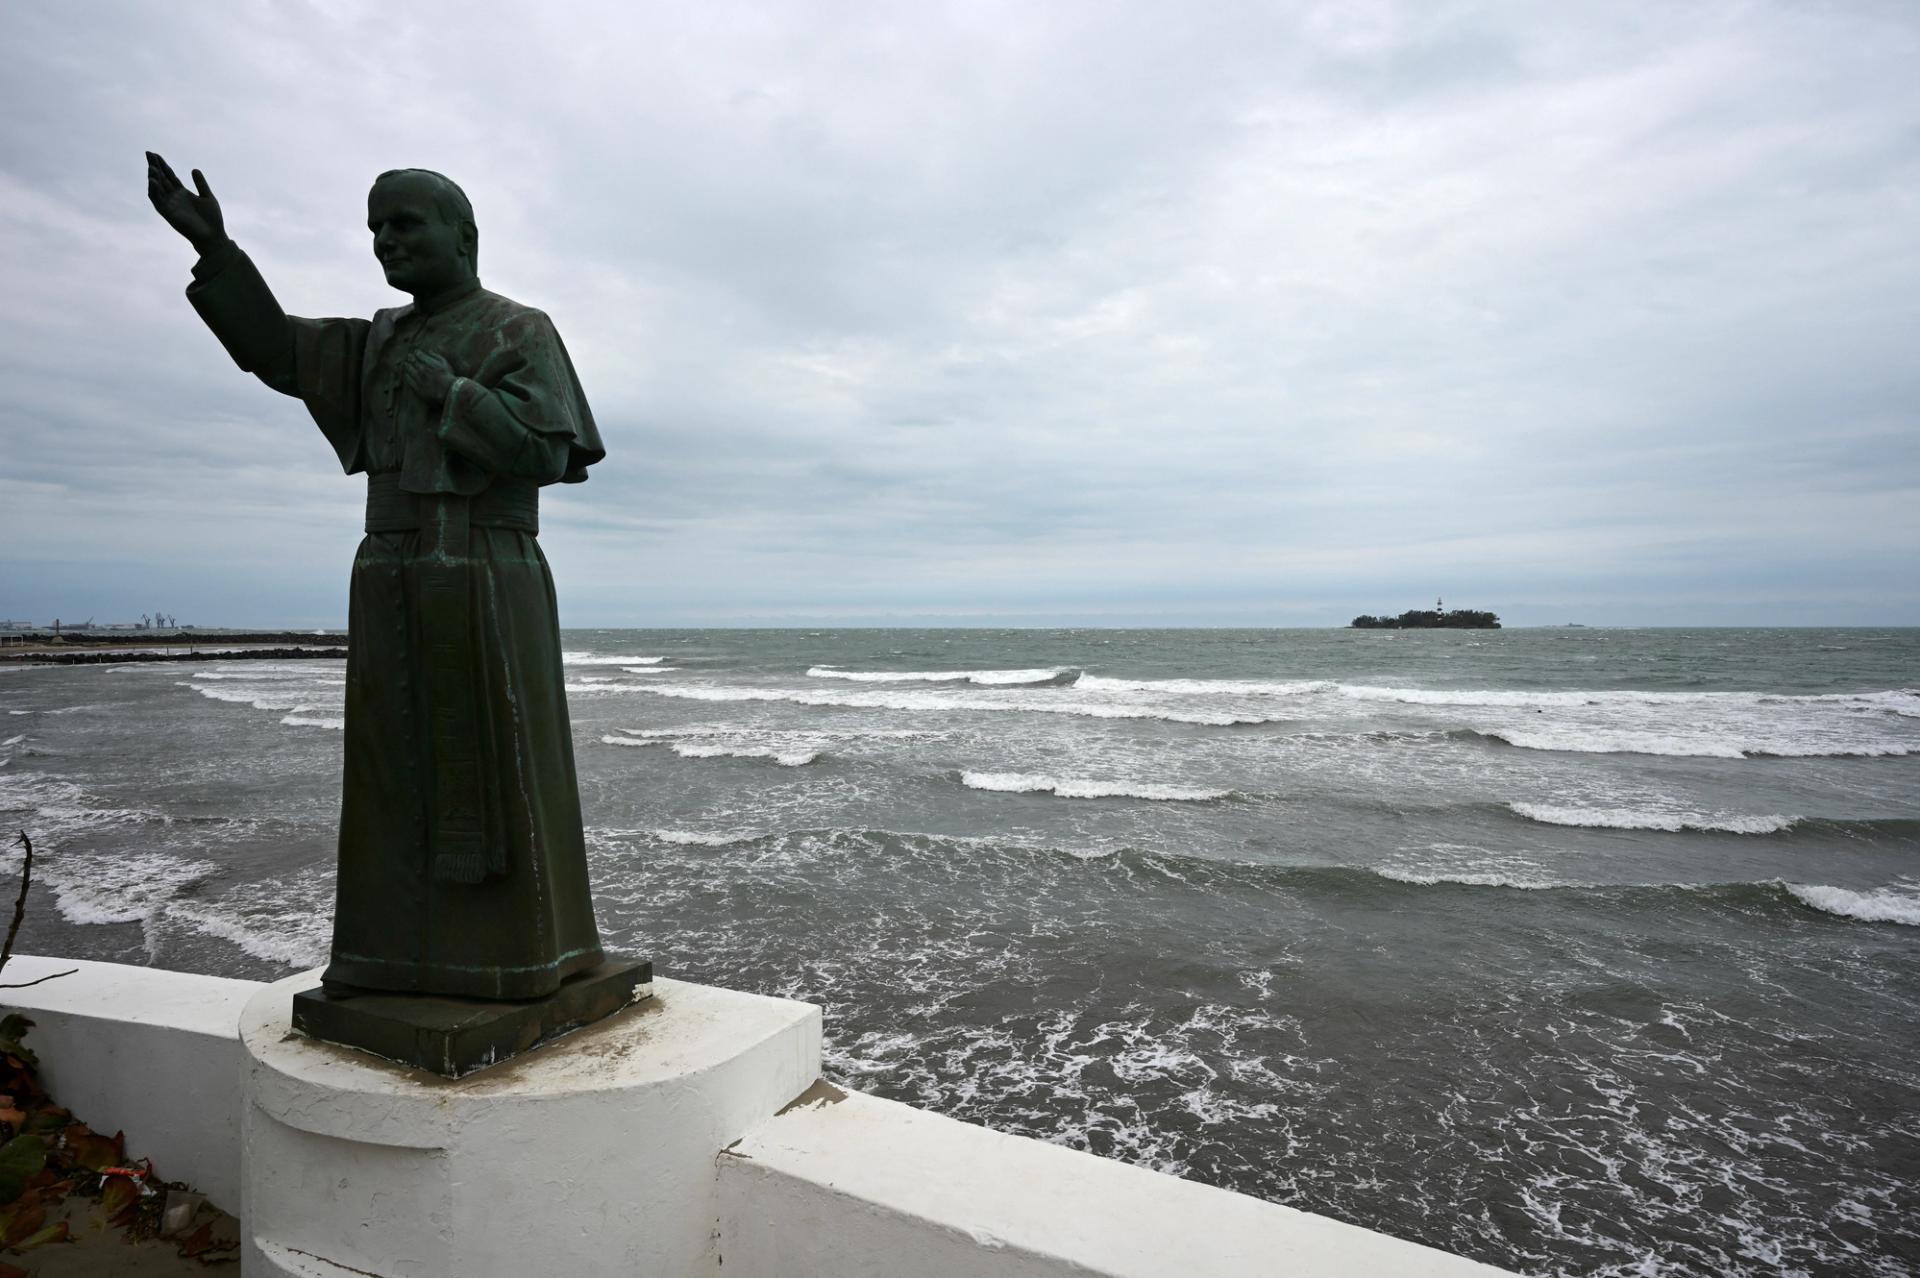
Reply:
x=55, y=1169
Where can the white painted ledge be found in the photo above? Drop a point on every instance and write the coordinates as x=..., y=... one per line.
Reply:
x=843, y=1185
x=593, y=1154
x=153, y=1053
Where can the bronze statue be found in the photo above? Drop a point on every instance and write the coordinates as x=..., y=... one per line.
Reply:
x=462, y=867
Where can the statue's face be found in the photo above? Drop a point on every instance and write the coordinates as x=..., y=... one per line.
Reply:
x=418, y=248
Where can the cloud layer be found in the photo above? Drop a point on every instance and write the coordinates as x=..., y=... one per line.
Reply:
x=1004, y=313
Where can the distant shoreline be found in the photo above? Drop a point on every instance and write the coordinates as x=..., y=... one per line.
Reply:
x=90, y=647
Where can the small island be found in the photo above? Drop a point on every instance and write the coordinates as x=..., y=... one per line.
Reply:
x=1435, y=618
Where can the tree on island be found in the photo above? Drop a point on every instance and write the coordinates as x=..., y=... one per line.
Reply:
x=1430, y=619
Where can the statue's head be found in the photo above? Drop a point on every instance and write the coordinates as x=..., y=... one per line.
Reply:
x=423, y=231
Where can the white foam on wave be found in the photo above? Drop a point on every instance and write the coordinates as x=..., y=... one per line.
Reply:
x=1904, y=701
x=600, y=659
x=1579, y=738
x=986, y=678
x=696, y=838
x=1205, y=687
x=1652, y=819
x=1082, y=788
x=258, y=698
x=58, y=808
x=647, y=670
x=121, y=888
x=1896, y=903
x=944, y=702
x=788, y=749
x=1466, y=878
x=785, y=758
x=337, y=723
x=16, y=740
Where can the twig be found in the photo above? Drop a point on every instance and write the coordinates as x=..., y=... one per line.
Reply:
x=19, y=902
x=19, y=913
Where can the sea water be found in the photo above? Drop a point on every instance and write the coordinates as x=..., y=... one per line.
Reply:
x=1578, y=951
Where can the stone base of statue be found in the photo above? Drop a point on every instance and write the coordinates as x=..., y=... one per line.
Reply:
x=456, y=1036
x=591, y=1154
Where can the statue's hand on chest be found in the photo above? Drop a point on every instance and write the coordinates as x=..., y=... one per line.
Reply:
x=427, y=374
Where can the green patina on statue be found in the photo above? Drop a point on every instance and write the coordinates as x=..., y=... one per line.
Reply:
x=462, y=866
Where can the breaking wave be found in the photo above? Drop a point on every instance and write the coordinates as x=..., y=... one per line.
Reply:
x=1588, y=739
x=1898, y=903
x=789, y=750
x=938, y=701
x=1205, y=687
x=1649, y=819
x=337, y=723
x=985, y=678
x=600, y=659
x=1080, y=788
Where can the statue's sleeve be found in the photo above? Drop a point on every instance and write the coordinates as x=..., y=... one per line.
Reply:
x=316, y=360
x=522, y=412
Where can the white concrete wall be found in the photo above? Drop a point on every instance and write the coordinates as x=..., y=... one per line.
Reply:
x=842, y=1185
x=152, y=1053
x=836, y=1185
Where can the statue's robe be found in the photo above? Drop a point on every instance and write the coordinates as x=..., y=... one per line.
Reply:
x=462, y=866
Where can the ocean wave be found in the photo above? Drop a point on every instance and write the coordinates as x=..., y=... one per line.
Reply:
x=1649, y=819
x=294, y=938
x=1898, y=903
x=1469, y=878
x=600, y=659
x=1902, y=701
x=1204, y=687
x=647, y=670
x=297, y=720
x=1080, y=788
x=785, y=758
x=15, y=740
x=121, y=888
x=946, y=702
x=1589, y=739
x=695, y=838
x=789, y=753
x=258, y=698
x=985, y=678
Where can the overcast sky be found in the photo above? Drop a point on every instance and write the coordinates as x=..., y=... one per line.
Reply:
x=1024, y=313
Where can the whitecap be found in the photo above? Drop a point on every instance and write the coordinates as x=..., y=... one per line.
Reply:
x=786, y=758
x=336, y=723
x=1082, y=788
x=988, y=678
x=1204, y=687
x=1653, y=819
x=942, y=702
x=1896, y=903
x=255, y=697
x=1465, y=878
x=695, y=838
x=599, y=659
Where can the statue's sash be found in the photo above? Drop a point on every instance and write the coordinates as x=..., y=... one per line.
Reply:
x=456, y=820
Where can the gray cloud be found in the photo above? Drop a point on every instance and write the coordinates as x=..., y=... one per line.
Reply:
x=1260, y=315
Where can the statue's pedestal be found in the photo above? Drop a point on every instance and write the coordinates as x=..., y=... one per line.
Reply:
x=456, y=1036
x=592, y=1154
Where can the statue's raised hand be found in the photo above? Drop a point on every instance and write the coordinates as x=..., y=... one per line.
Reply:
x=195, y=214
